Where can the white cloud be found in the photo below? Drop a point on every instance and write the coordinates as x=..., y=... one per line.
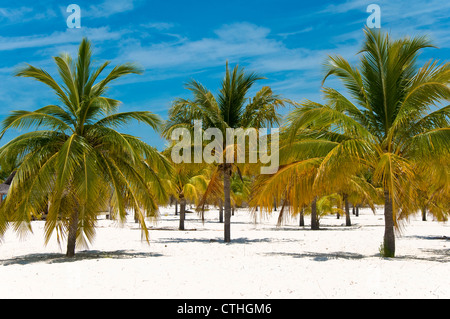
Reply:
x=288, y=34
x=24, y=14
x=232, y=42
x=160, y=26
x=108, y=8
x=58, y=38
x=242, y=43
x=14, y=14
x=349, y=5
x=419, y=18
x=415, y=18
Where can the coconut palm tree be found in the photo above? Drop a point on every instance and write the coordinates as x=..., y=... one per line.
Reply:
x=391, y=121
x=77, y=158
x=433, y=191
x=293, y=184
x=240, y=189
x=187, y=183
x=230, y=108
x=327, y=205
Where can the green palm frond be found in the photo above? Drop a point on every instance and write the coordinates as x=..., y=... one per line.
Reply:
x=80, y=164
x=370, y=143
x=232, y=95
x=262, y=109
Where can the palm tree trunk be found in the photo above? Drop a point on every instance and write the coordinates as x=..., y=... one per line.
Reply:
x=221, y=211
x=389, y=236
x=227, y=201
x=424, y=214
x=182, y=212
x=176, y=207
x=348, y=221
x=302, y=218
x=109, y=215
x=280, y=216
x=72, y=236
x=314, y=220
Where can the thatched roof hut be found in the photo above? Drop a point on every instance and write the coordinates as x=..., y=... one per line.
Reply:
x=4, y=187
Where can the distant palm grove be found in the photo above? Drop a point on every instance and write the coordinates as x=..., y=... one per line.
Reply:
x=382, y=139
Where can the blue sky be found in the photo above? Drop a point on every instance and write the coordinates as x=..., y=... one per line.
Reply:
x=175, y=41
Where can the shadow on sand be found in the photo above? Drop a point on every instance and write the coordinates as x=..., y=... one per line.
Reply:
x=219, y=240
x=445, y=238
x=320, y=256
x=82, y=255
x=435, y=255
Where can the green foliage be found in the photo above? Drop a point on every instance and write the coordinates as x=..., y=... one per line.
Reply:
x=229, y=108
x=382, y=136
x=76, y=160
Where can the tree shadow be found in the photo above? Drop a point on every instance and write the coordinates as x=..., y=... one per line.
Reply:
x=320, y=256
x=240, y=240
x=437, y=255
x=53, y=258
x=434, y=255
x=428, y=237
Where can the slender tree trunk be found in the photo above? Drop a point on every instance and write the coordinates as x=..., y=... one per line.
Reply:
x=424, y=214
x=353, y=209
x=176, y=207
x=314, y=220
x=182, y=212
x=136, y=218
x=109, y=215
x=227, y=201
x=302, y=218
x=274, y=203
x=389, y=236
x=221, y=211
x=348, y=221
x=72, y=236
x=280, y=216
x=357, y=210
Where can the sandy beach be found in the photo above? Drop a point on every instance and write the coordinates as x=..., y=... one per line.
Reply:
x=263, y=261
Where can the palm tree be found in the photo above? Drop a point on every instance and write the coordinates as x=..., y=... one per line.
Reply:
x=240, y=189
x=230, y=108
x=391, y=123
x=302, y=178
x=433, y=193
x=188, y=182
x=78, y=158
x=327, y=205
x=293, y=184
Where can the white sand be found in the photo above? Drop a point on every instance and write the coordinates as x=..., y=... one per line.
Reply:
x=262, y=262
